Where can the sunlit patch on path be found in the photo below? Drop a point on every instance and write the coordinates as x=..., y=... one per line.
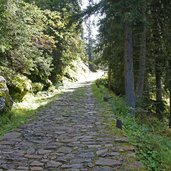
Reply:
x=69, y=135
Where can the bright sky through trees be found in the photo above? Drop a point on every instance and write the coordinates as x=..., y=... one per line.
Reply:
x=93, y=19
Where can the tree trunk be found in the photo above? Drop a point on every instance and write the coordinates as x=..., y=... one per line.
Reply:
x=90, y=45
x=128, y=67
x=170, y=105
x=142, y=62
x=142, y=66
x=170, y=93
x=159, y=103
x=109, y=76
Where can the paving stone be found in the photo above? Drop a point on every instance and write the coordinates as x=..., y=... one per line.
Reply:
x=72, y=166
x=91, y=165
x=100, y=152
x=121, y=140
x=108, y=145
x=61, y=159
x=31, y=151
x=107, y=162
x=94, y=146
x=53, y=164
x=124, y=148
x=36, y=168
x=7, y=142
x=44, y=151
x=12, y=135
x=36, y=163
x=87, y=155
x=52, y=147
x=23, y=168
x=77, y=160
x=33, y=156
x=104, y=169
x=114, y=154
x=64, y=150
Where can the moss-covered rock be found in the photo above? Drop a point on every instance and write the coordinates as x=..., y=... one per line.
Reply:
x=19, y=85
x=5, y=99
x=36, y=87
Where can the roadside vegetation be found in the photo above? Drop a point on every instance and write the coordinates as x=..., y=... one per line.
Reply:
x=41, y=49
x=25, y=111
x=150, y=137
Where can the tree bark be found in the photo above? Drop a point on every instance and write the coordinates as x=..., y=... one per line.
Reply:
x=128, y=66
x=109, y=76
x=159, y=102
x=142, y=65
x=170, y=93
x=90, y=45
x=170, y=106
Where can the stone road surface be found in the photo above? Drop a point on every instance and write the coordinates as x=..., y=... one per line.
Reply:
x=69, y=135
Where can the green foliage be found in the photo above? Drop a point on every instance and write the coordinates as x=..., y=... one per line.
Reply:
x=102, y=82
x=65, y=33
x=32, y=35
x=19, y=87
x=146, y=18
x=39, y=42
x=13, y=119
x=111, y=47
x=36, y=87
x=152, y=147
x=23, y=52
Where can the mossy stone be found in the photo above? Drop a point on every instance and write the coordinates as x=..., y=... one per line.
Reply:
x=18, y=85
x=5, y=99
x=36, y=87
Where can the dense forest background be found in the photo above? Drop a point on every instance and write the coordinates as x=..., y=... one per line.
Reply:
x=134, y=43
x=42, y=44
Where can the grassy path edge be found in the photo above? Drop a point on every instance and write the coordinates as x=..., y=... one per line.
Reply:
x=152, y=150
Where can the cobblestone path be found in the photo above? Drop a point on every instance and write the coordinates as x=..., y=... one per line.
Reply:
x=69, y=135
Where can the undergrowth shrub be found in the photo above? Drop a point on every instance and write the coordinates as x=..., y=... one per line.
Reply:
x=152, y=148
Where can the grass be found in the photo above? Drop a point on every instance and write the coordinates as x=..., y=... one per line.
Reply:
x=26, y=110
x=107, y=112
x=17, y=117
x=152, y=147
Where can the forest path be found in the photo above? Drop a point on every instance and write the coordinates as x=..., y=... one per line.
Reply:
x=70, y=135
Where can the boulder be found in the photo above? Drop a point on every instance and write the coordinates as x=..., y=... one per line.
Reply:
x=18, y=84
x=2, y=105
x=36, y=87
x=5, y=99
